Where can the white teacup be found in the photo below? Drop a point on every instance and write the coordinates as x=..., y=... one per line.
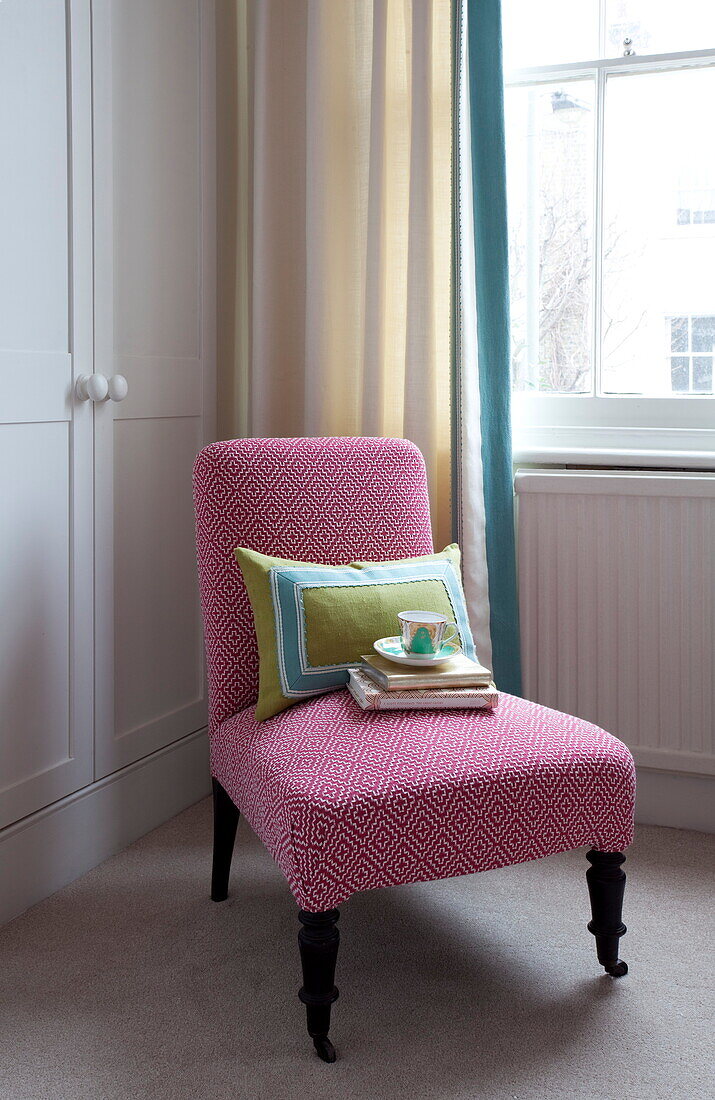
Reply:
x=423, y=632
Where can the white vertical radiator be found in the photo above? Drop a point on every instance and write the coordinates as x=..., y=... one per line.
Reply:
x=617, y=601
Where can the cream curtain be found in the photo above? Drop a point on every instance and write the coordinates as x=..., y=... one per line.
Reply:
x=342, y=256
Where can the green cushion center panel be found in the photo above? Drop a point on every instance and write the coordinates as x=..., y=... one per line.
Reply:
x=342, y=623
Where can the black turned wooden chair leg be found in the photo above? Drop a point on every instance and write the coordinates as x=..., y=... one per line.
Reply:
x=318, y=941
x=225, y=823
x=606, y=883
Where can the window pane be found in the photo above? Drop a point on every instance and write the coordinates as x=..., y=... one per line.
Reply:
x=657, y=148
x=702, y=374
x=679, y=334
x=549, y=174
x=679, y=371
x=560, y=31
x=659, y=26
x=550, y=31
x=703, y=333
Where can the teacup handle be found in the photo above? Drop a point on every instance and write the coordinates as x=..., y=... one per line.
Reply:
x=453, y=635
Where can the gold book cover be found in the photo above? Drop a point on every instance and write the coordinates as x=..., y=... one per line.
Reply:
x=459, y=672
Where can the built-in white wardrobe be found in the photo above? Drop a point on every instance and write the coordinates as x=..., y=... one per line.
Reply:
x=107, y=329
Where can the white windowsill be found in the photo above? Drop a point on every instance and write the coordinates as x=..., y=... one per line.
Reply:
x=561, y=429
x=615, y=456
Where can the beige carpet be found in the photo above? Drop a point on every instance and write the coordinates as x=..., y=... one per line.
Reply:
x=131, y=983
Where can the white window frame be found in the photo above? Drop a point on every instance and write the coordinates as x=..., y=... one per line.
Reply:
x=612, y=429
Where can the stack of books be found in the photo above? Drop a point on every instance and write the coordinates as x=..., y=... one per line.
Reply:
x=379, y=684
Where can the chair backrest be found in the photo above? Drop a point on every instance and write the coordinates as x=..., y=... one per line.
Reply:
x=331, y=501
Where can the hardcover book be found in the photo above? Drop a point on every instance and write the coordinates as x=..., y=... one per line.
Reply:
x=369, y=696
x=461, y=671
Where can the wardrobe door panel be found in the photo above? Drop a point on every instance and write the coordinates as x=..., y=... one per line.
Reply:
x=156, y=178
x=33, y=123
x=35, y=598
x=45, y=432
x=155, y=568
x=151, y=162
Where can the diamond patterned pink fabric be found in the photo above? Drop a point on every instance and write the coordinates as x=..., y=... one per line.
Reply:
x=325, y=500
x=348, y=800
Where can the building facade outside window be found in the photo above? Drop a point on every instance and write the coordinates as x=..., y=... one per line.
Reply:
x=691, y=349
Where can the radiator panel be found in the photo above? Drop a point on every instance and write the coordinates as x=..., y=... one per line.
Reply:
x=617, y=602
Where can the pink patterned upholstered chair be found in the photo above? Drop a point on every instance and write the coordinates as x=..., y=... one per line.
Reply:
x=347, y=800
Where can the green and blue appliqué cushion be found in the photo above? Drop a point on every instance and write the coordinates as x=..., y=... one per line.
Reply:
x=313, y=622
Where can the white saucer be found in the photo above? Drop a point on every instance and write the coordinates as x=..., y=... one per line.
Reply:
x=391, y=648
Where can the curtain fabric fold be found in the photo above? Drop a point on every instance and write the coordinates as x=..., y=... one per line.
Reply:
x=351, y=153
x=371, y=231
x=484, y=501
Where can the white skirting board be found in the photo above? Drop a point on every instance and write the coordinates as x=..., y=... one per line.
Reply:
x=50, y=848
x=676, y=800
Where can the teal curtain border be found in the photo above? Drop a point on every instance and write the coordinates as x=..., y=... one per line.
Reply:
x=486, y=107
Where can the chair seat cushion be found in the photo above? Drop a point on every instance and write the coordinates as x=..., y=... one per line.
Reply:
x=348, y=800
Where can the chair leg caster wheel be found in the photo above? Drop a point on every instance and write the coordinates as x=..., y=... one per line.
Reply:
x=324, y=1048
x=618, y=969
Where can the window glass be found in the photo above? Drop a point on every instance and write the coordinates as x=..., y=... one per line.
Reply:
x=558, y=31
x=611, y=204
x=680, y=374
x=659, y=163
x=704, y=334
x=550, y=134
x=703, y=374
x=658, y=26
x=679, y=334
